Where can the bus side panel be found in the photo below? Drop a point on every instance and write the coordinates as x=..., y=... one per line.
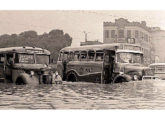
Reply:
x=89, y=71
x=15, y=74
x=161, y=75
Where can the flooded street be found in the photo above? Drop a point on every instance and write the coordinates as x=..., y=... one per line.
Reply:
x=132, y=95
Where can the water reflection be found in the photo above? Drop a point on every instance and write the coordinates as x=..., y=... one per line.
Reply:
x=131, y=95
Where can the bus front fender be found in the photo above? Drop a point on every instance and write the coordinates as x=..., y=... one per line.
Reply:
x=24, y=78
x=122, y=78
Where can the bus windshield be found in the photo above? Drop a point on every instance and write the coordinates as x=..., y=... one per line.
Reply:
x=29, y=59
x=25, y=58
x=124, y=57
x=42, y=59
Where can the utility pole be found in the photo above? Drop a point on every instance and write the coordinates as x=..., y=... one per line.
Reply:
x=86, y=35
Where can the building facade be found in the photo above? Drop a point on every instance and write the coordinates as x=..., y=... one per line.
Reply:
x=158, y=39
x=123, y=31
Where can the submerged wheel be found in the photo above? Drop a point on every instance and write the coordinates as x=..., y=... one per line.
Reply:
x=72, y=76
x=120, y=79
x=26, y=79
x=20, y=81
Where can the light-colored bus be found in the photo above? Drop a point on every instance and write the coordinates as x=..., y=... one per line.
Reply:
x=158, y=69
x=106, y=63
x=25, y=65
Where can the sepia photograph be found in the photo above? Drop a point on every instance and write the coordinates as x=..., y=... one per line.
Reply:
x=82, y=60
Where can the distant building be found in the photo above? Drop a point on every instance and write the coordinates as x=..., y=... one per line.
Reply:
x=123, y=31
x=90, y=43
x=158, y=39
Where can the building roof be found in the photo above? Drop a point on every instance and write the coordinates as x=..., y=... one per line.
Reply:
x=121, y=22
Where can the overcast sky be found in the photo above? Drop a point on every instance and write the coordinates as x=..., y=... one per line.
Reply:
x=73, y=22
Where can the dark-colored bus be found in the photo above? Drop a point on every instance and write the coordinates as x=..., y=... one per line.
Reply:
x=25, y=65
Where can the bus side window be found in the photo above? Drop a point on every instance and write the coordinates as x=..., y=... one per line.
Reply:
x=9, y=59
x=71, y=56
x=99, y=55
x=91, y=55
x=83, y=55
x=76, y=56
x=65, y=55
x=2, y=58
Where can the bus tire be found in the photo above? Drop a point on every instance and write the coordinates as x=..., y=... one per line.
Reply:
x=72, y=76
x=26, y=79
x=122, y=78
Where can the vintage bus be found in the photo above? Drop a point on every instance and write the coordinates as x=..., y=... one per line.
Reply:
x=25, y=65
x=158, y=69
x=105, y=63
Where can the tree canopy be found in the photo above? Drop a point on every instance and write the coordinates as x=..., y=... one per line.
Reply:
x=52, y=41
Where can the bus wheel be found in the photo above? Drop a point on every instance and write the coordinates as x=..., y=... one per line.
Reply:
x=20, y=81
x=26, y=79
x=72, y=76
x=120, y=79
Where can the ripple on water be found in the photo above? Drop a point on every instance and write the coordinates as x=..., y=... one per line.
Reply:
x=81, y=95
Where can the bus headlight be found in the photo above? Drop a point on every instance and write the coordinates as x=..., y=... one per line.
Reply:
x=56, y=73
x=121, y=73
x=135, y=77
x=31, y=73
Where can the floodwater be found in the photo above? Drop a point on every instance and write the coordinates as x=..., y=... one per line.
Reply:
x=149, y=94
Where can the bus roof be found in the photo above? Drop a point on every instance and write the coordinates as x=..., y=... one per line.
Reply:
x=25, y=49
x=112, y=46
x=129, y=51
x=157, y=64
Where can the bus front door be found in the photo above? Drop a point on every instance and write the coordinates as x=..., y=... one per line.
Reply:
x=2, y=68
x=108, y=66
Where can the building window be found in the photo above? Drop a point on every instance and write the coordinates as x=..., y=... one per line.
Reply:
x=136, y=34
x=121, y=33
x=106, y=33
x=128, y=33
x=113, y=34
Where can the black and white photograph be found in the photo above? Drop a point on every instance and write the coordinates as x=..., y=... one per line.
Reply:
x=82, y=59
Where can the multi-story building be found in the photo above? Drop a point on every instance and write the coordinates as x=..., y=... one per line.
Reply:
x=158, y=39
x=123, y=31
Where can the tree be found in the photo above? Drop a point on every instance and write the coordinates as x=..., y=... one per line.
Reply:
x=52, y=41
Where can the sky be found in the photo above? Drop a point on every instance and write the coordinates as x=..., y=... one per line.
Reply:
x=73, y=22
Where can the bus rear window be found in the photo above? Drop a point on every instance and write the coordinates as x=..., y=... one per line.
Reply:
x=99, y=55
